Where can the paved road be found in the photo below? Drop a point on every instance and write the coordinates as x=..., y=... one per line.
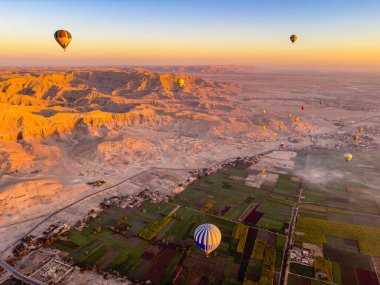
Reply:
x=289, y=241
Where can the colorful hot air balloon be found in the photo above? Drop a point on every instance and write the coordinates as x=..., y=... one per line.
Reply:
x=207, y=237
x=263, y=127
x=180, y=82
x=296, y=119
x=63, y=38
x=356, y=138
x=360, y=129
x=347, y=157
x=293, y=38
x=282, y=145
x=274, y=134
x=302, y=108
x=289, y=115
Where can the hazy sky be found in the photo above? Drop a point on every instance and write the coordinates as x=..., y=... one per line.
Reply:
x=254, y=32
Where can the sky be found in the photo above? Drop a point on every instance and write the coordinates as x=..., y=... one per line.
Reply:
x=178, y=32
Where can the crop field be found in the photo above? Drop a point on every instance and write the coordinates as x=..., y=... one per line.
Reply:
x=224, y=194
x=286, y=186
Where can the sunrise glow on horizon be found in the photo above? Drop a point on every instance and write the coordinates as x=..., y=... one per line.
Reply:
x=191, y=32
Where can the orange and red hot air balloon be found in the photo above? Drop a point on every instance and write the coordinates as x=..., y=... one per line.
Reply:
x=302, y=108
x=63, y=38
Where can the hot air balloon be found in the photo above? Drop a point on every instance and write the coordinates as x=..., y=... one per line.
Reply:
x=282, y=145
x=207, y=237
x=296, y=119
x=264, y=112
x=302, y=108
x=356, y=138
x=274, y=134
x=63, y=38
x=264, y=127
x=180, y=82
x=347, y=157
x=360, y=129
x=293, y=38
x=289, y=115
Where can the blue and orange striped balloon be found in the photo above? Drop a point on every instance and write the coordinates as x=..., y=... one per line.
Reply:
x=207, y=237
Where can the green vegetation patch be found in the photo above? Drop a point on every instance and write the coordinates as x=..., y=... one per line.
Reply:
x=270, y=256
x=150, y=231
x=286, y=186
x=259, y=250
x=240, y=234
x=337, y=274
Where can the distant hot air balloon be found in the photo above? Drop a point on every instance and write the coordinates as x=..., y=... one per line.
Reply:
x=296, y=119
x=263, y=127
x=63, y=38
x=293, y=38
x=207, y=237
x=356, y=138
x=264, y=112
x=302, y=108
x=360, y=129
x=282, y=145
x=289, y=115
x=180, y=82
x=348, y=157
x=274, y=134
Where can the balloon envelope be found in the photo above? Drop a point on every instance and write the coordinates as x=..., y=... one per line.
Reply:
x=293, y=38
x=63, y=38
x=180, y=82
x=207, y=237
x=348, y=157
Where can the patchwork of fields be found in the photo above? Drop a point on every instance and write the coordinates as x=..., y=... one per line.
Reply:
x=155, y=241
